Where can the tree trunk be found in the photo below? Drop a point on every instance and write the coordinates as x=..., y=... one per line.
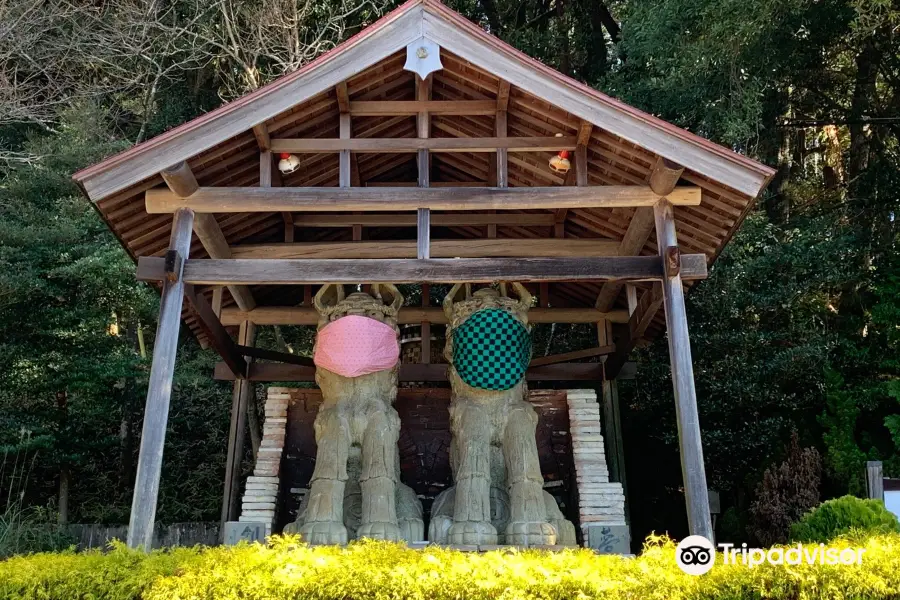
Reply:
x=62, y=404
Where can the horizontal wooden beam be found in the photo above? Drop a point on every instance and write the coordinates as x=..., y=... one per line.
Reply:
x=470, y=248
x=389, y=108
x=399, y=145
x=413, y=372
x=437, y=220
x=435, y=270
x=320, y=199
x=570, y=356
x=307, y=315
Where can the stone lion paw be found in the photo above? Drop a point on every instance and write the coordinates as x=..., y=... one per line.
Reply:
x=472, y=533
x=412, y=530
x=323, y=533
x=525, y=533
x=379, y=531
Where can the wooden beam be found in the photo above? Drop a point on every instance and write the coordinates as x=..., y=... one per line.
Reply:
x=638, y=323
x=437, y=220
x=240, y=400
x=466, y=248
x=500, y=130
x=307, y=315
x=578, y=175
x=318, y=199
x=446, y=184
x=182, y=183
x=215, y=332
x=344, y=157
x=159, y=393
x=180, y=179
x=454, y=270
x=343, y=97
x=210, y=235
x=686, y=414
x=663, y=179
x=274, y=355
x=386, y=108
x=423, y=160
x=272, y=372
x=665, y=176
x=261, y=133
x=503, y=95
x=570, y=356
x=400, y=145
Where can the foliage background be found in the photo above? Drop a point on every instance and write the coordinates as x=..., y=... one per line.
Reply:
x=796, y=330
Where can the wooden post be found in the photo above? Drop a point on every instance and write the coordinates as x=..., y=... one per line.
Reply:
x=691, y=448
x=240, y=401
x=875, y=480
x=612, y=420
x=159, y=390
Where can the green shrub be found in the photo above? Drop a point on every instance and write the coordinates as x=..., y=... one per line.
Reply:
x=842, y=515
x=288, y=570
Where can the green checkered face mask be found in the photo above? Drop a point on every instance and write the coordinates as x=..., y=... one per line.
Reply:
x=491, y=350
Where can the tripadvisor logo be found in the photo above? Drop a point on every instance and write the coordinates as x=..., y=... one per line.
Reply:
x=696, y=555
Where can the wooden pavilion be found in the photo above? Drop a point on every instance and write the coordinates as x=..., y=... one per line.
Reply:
x=417, y=170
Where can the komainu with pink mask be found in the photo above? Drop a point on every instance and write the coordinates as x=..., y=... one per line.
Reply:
x=355, y=490
x=498, y=496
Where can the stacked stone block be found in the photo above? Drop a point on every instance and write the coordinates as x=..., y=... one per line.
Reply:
x=261, y=493
x=600, y=502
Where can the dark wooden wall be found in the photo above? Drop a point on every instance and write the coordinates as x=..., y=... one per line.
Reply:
x=425, y=445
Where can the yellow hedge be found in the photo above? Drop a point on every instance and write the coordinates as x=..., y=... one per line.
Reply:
x=286, y=569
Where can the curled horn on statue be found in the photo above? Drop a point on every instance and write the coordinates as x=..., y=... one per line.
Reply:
x=498, y=496
x=355, y=490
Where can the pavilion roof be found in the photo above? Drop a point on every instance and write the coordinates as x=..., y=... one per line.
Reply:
x=622, y=144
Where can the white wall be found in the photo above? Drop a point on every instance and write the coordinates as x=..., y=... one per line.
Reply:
x=892, y=501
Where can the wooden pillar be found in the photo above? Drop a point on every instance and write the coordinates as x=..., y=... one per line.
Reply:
x=612, y=420
x=159, y=390
x=875, y=480
x=690, y=446
x=240, y=402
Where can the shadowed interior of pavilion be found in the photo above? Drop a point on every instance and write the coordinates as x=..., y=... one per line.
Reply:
x=439, y=179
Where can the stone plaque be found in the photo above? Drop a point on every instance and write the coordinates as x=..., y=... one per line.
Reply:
x=609, y=539
x=242, y=531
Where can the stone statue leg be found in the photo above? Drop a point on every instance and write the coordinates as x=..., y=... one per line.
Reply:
x=528, y=524
x=324, y=522
x=378, y=479
x=472, y=505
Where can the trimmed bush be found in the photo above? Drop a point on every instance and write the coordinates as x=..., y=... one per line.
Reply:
x=286, y=569
x=841, y=516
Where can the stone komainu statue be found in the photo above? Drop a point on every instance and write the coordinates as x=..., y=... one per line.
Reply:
x=498, y=495
x=355, y=490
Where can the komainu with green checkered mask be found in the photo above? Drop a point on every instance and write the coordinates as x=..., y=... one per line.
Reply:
x=498, y=496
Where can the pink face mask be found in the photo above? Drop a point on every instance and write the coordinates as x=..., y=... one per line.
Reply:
x=353, y=345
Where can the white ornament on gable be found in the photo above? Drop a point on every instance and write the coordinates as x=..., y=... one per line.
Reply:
x=423, y=57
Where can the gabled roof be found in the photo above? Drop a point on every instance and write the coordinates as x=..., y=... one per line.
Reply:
x=410, y=22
